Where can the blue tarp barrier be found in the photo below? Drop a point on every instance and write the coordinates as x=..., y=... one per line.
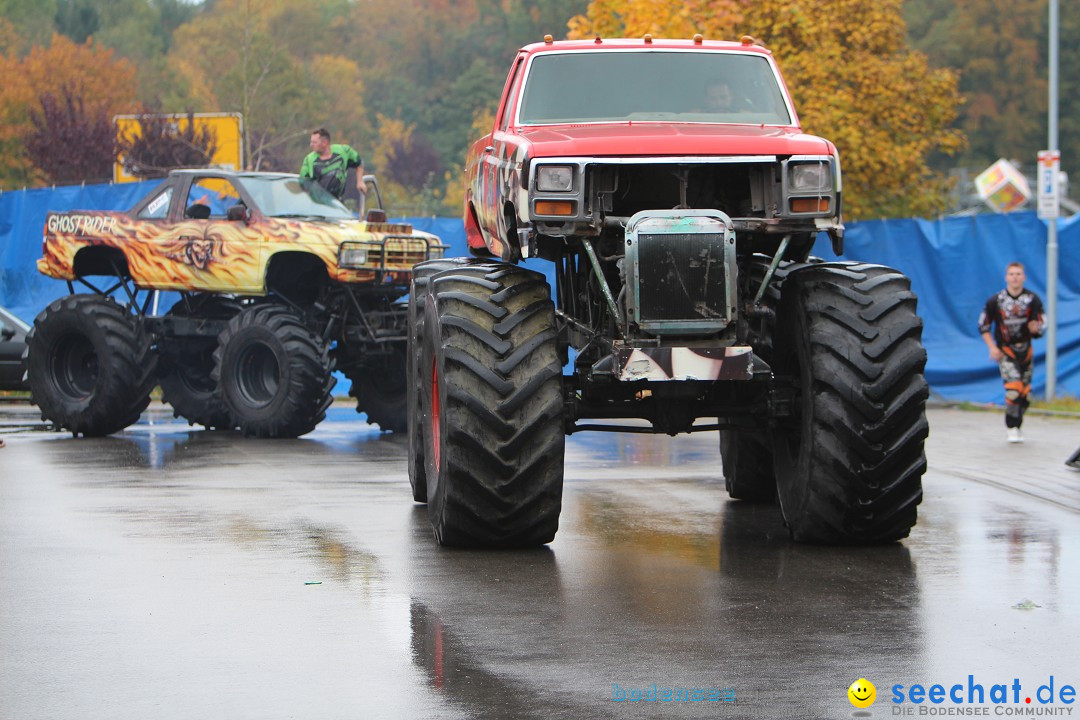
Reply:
x=23, y=290
x=954, y=265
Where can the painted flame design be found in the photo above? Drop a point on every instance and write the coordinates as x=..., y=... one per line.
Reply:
x=227, y=256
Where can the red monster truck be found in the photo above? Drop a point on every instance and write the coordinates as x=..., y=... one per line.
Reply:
x=280, y=284
x=671, y=186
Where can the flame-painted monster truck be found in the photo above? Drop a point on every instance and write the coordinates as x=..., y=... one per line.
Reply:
x=279, y=284
x=671, y=186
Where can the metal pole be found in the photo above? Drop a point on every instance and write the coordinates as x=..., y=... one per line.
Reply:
x=1051, y=233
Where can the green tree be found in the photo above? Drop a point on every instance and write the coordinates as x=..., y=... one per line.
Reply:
x=436, y=64
x=235, y=58
x=77, y=19
x=1069, y=92
x=32, y=21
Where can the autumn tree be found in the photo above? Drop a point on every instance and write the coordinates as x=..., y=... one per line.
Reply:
x=105, y=85
x=634, y=18
x=853, y=78
x=161, y=144
x=70, y=143
x=410, y=173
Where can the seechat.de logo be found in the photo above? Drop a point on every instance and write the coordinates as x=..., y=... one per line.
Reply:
x=862, y=693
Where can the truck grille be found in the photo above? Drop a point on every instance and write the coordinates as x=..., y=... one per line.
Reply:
x=681, y=277
x=402, y=252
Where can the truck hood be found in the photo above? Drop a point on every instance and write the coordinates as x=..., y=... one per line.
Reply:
x=669, y=139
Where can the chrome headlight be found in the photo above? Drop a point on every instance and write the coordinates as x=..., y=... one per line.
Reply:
x=555, y=178
x=810, y=177
x=352, y=255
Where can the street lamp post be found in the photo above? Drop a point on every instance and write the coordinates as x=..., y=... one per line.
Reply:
x=1051, y=236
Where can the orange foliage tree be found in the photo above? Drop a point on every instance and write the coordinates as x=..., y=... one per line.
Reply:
x=662, y=18
x=853, y=78
x=91, y=73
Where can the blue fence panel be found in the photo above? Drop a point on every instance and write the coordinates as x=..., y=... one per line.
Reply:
x=23, y=290
x=954, y=265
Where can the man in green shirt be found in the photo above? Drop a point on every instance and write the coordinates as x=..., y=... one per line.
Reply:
x=329, y=164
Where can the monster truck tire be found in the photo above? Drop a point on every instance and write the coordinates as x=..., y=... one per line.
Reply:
x=492, y=407
x=273, y=373
x=746, y=455
x=417, y=292
x=90, y=365
x=187, y=366
x=380, y=392
x=849, y=464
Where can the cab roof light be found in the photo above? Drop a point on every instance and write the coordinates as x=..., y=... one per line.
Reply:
x=748, y=40
x=648, y=39
x=698, y=38
x=548, y=40
x=598, y=41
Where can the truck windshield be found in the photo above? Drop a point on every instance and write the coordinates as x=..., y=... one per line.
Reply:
x=294, y=196
x=659, y=86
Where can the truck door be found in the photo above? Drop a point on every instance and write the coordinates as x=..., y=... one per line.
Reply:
x=220, y=254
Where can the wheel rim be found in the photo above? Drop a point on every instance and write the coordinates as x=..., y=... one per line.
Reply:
x=436, y=431
x=258, y=376
x=75, y=366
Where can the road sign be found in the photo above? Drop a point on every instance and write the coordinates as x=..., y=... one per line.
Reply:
x=1049, y=181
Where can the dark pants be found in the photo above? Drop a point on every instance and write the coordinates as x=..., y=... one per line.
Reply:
x=1016, y=373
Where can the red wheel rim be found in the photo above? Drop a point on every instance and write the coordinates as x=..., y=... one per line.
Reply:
x=435, y=430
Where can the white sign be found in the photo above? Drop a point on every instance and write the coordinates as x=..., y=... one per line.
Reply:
x=1049, y=184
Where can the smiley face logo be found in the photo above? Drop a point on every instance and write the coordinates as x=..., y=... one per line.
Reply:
x=862, y=693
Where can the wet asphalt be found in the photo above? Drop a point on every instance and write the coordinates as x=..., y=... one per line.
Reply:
x=167, y=572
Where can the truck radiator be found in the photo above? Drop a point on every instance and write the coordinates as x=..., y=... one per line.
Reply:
x=680, y=272
x=681, y=277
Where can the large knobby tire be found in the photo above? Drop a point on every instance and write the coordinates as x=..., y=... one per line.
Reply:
x=379, y=387
x=417, y=293
x=187, y=366
x=746, y=457
x=273, y=373
x=746, y=454
x=90, y=365
x=849, y=464
x=492, y=407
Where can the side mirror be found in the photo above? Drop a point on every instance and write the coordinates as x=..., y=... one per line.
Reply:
x=6, y=333
x=237, y=213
